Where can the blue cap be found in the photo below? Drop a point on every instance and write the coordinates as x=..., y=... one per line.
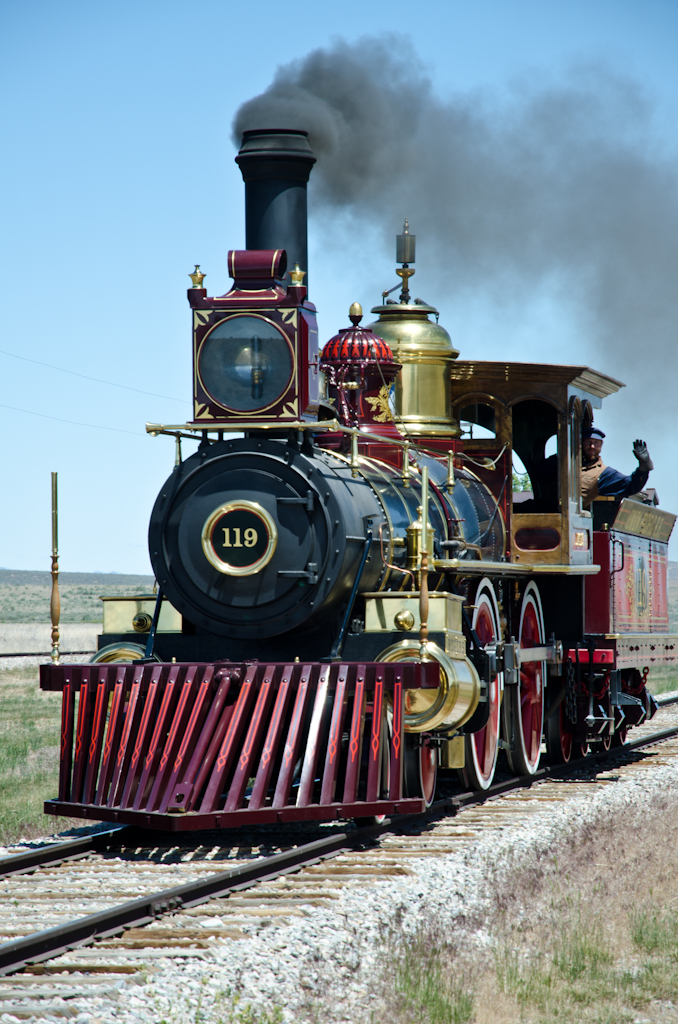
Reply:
x=592, y=432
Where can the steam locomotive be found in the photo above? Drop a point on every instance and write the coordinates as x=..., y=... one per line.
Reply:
x=351, y=597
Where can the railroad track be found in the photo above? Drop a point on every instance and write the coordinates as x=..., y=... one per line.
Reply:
x=114, y=909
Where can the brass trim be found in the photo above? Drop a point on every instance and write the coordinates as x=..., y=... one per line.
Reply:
x=235, y=570
x=464, y=568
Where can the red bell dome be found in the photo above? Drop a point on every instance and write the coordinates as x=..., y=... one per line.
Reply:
x=356, y=344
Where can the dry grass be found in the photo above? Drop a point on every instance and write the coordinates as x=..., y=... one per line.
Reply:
x=29, y=756
x=590, y=934
x=25, y=596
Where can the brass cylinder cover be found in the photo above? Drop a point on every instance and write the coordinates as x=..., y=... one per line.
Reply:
x=452, y=703
x=425, y=350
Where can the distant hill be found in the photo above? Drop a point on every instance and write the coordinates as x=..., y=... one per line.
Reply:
x=19, y=577
x=25, y=595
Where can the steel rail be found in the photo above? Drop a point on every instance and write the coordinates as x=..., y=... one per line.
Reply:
x=56, y=853
x=52, y=942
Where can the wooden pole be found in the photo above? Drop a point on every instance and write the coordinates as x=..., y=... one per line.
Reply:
x=55, y=603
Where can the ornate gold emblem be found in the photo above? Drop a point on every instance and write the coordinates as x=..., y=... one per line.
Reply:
x=641, y=587
x=381, y=403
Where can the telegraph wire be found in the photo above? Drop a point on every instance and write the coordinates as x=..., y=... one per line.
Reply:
x=84, y=376
x=74, y=423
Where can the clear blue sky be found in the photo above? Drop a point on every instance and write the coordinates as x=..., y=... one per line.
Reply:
x=118, y=175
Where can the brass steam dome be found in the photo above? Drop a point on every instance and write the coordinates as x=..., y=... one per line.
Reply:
x=426, y=352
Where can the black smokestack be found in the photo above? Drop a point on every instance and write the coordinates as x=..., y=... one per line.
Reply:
x=276, y=164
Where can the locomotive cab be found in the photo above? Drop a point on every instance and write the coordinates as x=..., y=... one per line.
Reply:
x=537, y=412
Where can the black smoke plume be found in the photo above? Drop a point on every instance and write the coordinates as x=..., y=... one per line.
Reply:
x=560, y=180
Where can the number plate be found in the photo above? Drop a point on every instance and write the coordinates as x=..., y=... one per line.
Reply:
x=239, y=538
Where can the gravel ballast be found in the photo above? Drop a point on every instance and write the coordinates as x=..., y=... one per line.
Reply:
x=326, y=963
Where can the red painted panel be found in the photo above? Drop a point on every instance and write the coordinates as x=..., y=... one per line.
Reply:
x=659, y=585
x=603, y=656
x=597, y=589
x=640, y=587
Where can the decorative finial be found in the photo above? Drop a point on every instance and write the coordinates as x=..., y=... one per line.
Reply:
x=355, y=313
x=297, y=276
x=196, y=277
x=405, y=250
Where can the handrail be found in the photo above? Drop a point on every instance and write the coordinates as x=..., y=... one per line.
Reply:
x=176, y=430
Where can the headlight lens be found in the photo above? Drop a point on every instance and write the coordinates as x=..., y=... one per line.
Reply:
x=245, y=363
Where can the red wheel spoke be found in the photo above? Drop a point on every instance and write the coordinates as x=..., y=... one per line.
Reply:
x=482, y=746
x=527, y=700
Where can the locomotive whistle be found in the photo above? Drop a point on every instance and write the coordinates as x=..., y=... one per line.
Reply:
x=55, y=603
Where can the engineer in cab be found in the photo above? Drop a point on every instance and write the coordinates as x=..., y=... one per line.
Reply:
x=599, y=480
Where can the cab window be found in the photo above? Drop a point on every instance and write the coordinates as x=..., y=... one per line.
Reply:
x=535, y=443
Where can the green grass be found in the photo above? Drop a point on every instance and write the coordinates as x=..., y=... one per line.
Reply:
x=655, y=931
x=29, y=756
x=581, y=976
x=662, y=678
x=424, y=982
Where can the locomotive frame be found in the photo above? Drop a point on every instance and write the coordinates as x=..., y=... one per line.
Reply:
x=414, y=614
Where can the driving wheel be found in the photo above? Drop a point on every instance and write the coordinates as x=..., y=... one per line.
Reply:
x=523, y=706
x=482, y=747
